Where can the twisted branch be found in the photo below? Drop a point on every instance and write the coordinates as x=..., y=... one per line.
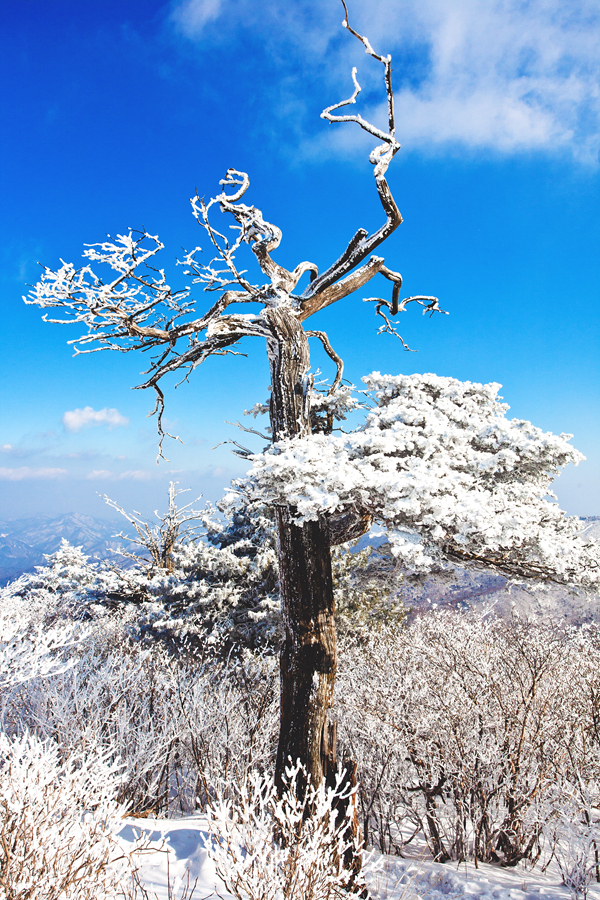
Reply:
x=333, y=356
x=138, y=310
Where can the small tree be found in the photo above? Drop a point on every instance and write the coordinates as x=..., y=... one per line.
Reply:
x=138, y=310
x=160, y=539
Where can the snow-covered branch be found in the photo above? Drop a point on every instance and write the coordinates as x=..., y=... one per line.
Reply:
x=160, y=540
x=439, y=465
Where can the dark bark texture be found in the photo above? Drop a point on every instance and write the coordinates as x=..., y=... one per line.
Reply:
x=308, y=655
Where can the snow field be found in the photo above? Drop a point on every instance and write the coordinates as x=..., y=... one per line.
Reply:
x=180, y=848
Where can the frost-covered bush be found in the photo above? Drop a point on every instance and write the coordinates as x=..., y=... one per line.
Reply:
x=58, y=824
x=179, y=725
x=266, y=847
x=460, y=727
x=179, y=729
x=32, y=651
x=571, y=825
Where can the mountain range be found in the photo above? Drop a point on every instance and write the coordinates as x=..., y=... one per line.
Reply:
x=24, y=543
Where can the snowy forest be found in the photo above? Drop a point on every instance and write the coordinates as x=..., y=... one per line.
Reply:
x=243, y=703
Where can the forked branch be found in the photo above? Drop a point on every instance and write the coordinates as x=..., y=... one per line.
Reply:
x=381, y=156
x=361, y=244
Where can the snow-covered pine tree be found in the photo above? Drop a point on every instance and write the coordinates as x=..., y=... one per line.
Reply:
x=441, y=469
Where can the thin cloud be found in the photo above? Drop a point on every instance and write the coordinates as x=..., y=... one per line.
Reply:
x=502, y=76
x=25, y=473
x=192, y=17
x=98, y=473
x=76, y=419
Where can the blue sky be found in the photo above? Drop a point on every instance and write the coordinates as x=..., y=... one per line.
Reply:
x=114, y=113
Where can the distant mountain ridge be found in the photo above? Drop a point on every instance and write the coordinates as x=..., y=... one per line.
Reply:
x=25, y=542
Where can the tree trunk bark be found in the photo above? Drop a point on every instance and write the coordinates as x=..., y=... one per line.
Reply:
x=308, y=655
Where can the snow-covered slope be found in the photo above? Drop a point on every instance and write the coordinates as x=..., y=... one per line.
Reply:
x=180, y=849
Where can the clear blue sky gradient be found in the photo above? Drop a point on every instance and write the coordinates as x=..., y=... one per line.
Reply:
x=113, y=113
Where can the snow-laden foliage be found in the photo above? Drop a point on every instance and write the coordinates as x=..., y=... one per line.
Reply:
x=220, y=594
x=178, y=721
x=214, y=597
x=572, y=828
x=463, y=728
x=441, y=467
x=266, y=847
x=26, y=654
x=58, y=824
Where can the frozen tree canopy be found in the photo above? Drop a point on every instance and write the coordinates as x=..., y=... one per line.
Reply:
x=439, y=465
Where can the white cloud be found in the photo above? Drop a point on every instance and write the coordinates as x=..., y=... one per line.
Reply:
x=76, y=419
x=193, y=15
x=98, y=473
x=6, y=448
x=508, y=75
x=25, y=473
x=500, y=75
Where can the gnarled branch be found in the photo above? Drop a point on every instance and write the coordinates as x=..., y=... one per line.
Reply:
x=361, y=245
x=332, y=355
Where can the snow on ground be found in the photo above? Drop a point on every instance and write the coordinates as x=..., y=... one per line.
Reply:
x=180, y=848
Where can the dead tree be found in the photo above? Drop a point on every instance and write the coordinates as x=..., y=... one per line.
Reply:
x=137, y=310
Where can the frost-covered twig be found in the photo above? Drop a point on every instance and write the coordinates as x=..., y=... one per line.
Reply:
x=160, y=540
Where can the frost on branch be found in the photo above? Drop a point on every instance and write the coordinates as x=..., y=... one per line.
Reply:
x=161, y=539
x=133, y=307
x=439, y=465
x=265, y=846
x=59, y=823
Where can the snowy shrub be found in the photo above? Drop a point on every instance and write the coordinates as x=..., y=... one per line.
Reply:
x=267, y=847
x=27, y=653
x=58, y=824
x=460, y=726
x=572, y=827
x=179, y=728
x=229, y=719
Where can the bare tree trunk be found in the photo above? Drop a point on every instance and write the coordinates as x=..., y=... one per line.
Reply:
x=308, y=655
